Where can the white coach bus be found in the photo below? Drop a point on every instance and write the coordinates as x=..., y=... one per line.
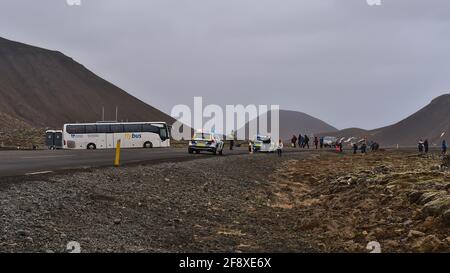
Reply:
x=103, y=135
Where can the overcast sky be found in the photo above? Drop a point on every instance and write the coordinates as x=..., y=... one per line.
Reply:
x=342, y=61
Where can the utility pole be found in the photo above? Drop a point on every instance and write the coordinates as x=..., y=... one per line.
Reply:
x=103, y=113
x=117, y=112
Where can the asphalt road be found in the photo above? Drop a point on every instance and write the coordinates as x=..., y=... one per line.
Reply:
x=26, y=162
x=16, y=163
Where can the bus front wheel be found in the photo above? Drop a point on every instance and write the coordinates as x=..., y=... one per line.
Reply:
x=148, y=145
x=91, y=146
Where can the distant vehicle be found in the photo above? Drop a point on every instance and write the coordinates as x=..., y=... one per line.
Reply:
x=207, y=142
x=329, y=141
x=54, y=139
x=104, y=135
x=263, y=144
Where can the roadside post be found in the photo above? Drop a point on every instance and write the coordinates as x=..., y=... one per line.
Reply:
x=117, y=159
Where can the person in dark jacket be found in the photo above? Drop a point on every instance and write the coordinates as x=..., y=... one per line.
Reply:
x=306, y=142
x=300, y=140
x=375, y=146
x=426, y=146
x=363, y=148
x=444, y=147
x=321, y=142
x=316, y=142
x=294, y=141
x=355, y=148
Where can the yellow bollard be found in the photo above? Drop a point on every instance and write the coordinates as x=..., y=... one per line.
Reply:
x=117, y=160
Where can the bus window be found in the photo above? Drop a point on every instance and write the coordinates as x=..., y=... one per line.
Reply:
x=150, y=128
x=103, y=129
x=91, y=129
x=135, y=128
x=117, y=128
x=75, y=129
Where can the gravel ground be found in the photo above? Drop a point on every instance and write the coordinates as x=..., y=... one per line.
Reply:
x=305, y=202
x=217, y=204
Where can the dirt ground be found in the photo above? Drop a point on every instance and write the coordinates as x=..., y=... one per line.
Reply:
x=304, y=202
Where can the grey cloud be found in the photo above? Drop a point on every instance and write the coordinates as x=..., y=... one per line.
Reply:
x=339, y=60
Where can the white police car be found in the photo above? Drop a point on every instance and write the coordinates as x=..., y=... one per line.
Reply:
x=262, y=144
x=206, y=142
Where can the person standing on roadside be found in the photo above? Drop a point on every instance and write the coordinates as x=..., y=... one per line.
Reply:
x=420, y=146
x=233, y=137
x=294, y=141
x=363, y=148
x=300, y=140
x=280, y=148
x=426, y=146
x=355, y=148
x=306, y=142
x=444, y=147
x=321, y=142
x=316, y=142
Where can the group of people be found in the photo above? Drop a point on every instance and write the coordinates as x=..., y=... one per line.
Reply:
x=363, y=148
x=424, y=146
x=303, y=141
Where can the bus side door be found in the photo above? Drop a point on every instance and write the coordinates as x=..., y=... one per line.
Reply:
x=110, y=141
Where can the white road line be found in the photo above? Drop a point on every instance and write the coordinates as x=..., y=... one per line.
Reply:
x=43, y=157
x=36, y=173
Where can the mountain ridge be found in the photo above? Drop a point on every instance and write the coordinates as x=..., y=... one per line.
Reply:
x=46, y=88
x=429, y=122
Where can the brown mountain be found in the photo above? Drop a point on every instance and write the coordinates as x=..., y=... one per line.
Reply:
x=295, y=123
x=428, y=123
x=44, y=88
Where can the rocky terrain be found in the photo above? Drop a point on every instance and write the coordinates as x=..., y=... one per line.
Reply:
x=305, y=202
x=17, y=133
x=400, y=200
